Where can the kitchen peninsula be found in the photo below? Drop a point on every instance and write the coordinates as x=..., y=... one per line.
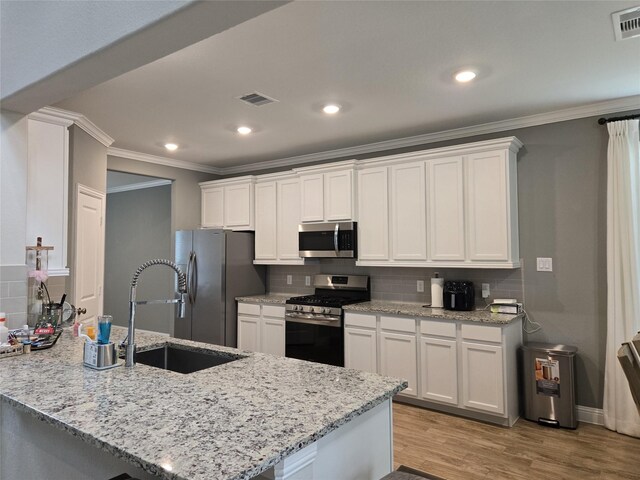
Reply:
x=259, y=416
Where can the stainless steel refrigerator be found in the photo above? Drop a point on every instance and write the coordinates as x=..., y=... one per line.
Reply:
x=219, y=267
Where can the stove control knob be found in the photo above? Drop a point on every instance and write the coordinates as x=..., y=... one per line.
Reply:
x=326, y=310
x=296, y=308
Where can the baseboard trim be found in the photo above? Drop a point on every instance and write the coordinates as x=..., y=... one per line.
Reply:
x=590, y=415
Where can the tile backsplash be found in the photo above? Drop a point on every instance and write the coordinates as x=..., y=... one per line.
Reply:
x=397, y=283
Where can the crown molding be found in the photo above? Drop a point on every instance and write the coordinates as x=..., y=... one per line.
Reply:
x=593, y=109
x=78, y=119
x=139, y=186
x=169, y=162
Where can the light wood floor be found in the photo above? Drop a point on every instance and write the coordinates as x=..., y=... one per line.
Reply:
x=456, y=448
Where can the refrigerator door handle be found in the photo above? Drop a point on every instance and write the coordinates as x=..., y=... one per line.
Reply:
x=194, y=279
x=189, y=286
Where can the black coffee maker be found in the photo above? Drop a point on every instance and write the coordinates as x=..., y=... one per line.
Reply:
x=459, y=295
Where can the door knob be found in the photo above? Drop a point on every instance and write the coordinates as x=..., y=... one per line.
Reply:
x=81, y=311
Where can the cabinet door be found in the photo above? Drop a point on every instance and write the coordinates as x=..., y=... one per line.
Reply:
x=338, y=195
x=288, y=219
x=373, y=214
x=408, y=212
x=212, y=207
x=273, y=336
x=487, y=206
x=398, y=358
x=482, y=377
x=446, y=209
x=249, y=333
x=312, y=188
x=47, y=189
x=266, y=224
x=439, y=370
x=360, y=350
x=238, y=205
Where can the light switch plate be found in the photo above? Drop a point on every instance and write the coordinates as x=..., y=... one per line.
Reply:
x=307, y=280
x=420, y=286
x=545, y=264
x=486, y=290
x=289, y=279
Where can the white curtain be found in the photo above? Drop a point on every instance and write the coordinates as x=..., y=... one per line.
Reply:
x=623, y=270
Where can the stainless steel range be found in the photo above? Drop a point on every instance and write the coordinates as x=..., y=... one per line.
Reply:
x=314, y=323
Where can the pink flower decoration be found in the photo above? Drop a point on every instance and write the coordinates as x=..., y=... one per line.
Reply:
x=39, y=275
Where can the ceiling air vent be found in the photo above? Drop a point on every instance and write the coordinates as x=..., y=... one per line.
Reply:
x=626, y=23
x=257, y=99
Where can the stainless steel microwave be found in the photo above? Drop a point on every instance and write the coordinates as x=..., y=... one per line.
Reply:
x=328, y=240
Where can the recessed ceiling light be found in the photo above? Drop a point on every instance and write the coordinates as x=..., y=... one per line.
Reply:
x=465, y=76
x=171, y=146
x=244, y=130
x=331, y=108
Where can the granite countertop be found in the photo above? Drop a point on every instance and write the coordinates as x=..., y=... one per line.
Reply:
x=418, y=310
x=232, y=421
x=273, y=298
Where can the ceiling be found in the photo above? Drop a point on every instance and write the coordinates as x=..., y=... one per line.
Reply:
x=389, y=64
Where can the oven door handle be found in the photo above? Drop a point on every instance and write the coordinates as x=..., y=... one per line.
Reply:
x=335, y=239
x=301, y=318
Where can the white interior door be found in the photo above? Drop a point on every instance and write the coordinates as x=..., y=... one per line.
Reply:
x=88, y=266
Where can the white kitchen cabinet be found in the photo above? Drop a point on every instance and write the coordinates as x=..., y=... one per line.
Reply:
x=249, y=333
x=446, y=209
x=266, y=246
x=361, y=342
x=373, y=214
x=47, y=187
x=482, y=377
x=492, y=209
x=408, y=211
x=261, y=328
x=398, y=358
x=439, y=370
x=277, y=219
x=228, y=203
x=327, y=192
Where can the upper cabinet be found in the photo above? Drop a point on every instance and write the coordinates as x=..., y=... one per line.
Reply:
x=446, y=207
x=327, y=192
x=47, y=187
x=277, y=219
x=228, y=203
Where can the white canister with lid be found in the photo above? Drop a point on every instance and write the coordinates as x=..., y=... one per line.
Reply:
x=437, y=291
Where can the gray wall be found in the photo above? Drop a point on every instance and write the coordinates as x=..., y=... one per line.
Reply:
x=562, y=171
x=185, y=204
x=138, y=228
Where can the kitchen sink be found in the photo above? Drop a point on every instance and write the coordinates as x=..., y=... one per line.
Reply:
x=176, y=359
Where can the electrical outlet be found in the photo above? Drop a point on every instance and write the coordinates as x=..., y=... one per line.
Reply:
x=545, y=264
x=307, y=280
x=420, y=286
x=486, y=291
x=289, y=279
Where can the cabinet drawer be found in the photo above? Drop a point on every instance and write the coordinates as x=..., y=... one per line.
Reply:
x=482, y=333
x=273, y=311
x=360, y=320
x=249, y=308
x=441, y=329
x=400, y=324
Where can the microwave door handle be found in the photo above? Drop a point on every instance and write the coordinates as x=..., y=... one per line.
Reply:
x=335, y=239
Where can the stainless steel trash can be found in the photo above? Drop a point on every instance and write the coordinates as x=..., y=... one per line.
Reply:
x=549, y=384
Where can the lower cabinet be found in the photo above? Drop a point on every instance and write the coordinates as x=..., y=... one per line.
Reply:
x=360, y=349
x=398, y=358
x=462, y=367
x=261, y=328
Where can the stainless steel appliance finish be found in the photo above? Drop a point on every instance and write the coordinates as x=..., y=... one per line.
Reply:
x=328, y=240
x=219, y=267
x=629, y=358
x=314, y=323
x=549, y=384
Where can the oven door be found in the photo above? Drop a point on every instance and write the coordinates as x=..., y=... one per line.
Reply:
x=327, y=240
x=315, y=341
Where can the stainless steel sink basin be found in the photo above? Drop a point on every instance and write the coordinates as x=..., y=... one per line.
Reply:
x=177, y=359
